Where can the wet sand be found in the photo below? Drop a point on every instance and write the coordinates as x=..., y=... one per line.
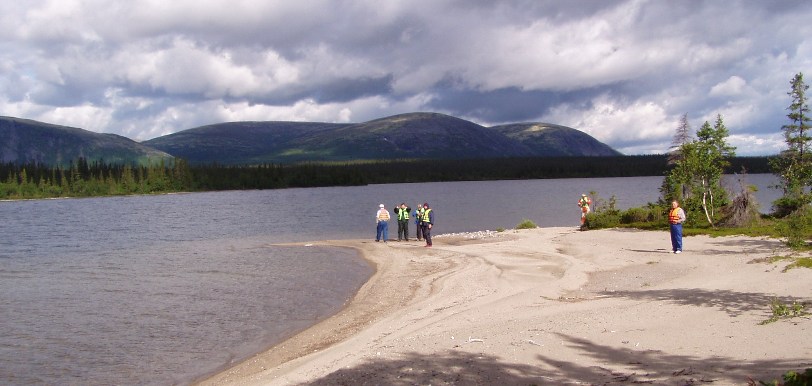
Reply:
x=553, y=306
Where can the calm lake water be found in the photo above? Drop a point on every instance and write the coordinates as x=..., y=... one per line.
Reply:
x=159, y=290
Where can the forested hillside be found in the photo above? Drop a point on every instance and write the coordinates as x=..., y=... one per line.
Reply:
x=25, y=141
x=412, y=136
x=555, y=140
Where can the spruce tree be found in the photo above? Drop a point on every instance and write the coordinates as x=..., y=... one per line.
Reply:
x=794, y=165
x=681, y=137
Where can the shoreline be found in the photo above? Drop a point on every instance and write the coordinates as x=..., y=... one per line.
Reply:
x=367, y=305
x=550, y=305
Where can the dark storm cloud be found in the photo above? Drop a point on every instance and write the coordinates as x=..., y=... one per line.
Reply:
x=623, y=71
x=508, y=104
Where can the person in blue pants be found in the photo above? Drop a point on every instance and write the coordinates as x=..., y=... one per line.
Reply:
x=675, y=218
x=382, y=221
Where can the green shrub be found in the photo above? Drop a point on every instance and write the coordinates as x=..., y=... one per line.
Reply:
x=635, y=215
x=526, y=224
x=788, y=205
x=602, y=220
x=796, y=228
x=792, y=378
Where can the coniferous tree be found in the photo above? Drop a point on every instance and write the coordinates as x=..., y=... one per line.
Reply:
x=673, y=187
x=681, y=137
x=794, y=165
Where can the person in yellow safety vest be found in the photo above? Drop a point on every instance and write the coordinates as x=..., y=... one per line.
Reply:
x=382, y=224
x=584, y=204
x=418, y=221
x=402, y=211
x=676, y=216
x=428, y=222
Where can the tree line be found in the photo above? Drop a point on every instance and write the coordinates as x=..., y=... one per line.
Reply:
x=84, y=178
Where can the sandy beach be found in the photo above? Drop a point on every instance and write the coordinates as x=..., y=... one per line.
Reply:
x=553, y=306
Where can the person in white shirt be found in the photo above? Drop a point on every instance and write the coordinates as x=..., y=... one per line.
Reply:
x=382, y=221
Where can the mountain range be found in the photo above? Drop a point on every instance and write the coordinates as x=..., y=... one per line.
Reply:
x=25, y=141
x=404, y=136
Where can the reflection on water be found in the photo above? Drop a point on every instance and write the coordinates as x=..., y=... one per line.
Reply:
x=162, y=289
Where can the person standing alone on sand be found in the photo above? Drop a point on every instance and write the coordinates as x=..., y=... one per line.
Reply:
x=428, y=222
x=584, y=204
x=382, y=221
x=676, y=217
x=402, y=213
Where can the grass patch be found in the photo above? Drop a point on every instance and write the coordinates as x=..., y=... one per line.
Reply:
x=801, y=262
x=796, y=262
x=771, y=259
x=791, y=378
x=785, y=310
x=526, y=224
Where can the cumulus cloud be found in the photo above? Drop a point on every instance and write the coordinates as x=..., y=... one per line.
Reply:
x=732, y=87
x=635, y=128
x=622, y=71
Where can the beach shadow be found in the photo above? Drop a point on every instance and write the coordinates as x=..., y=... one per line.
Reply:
x=750, y=246
x=732, y=302
x=453, y=368
x=619, y=365
x=622, y=365
x=658, y=250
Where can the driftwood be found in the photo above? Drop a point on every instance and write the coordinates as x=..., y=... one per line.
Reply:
x=743, y=209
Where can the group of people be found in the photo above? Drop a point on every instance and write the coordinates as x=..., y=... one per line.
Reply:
x=423, y=220
x=676, y=216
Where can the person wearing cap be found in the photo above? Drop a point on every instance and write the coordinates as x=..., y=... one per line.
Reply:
x=402, y=212
x=584, y=204
x=382, y=221
x=418, y=221
x=428, y=222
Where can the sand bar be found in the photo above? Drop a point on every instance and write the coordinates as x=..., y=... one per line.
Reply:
x=553, y=306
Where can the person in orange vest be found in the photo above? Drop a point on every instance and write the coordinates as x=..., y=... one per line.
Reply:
x=675, y=218
x=584, y=204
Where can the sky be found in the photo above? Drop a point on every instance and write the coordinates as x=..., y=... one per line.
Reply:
x=624, y=72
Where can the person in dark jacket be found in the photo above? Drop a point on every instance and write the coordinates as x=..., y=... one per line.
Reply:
x=418, y=221
x=428, y=223
x=402, y=214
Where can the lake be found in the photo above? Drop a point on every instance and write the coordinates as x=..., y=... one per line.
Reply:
x=157, y=290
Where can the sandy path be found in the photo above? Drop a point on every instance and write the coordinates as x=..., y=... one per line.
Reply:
x=553, y=306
